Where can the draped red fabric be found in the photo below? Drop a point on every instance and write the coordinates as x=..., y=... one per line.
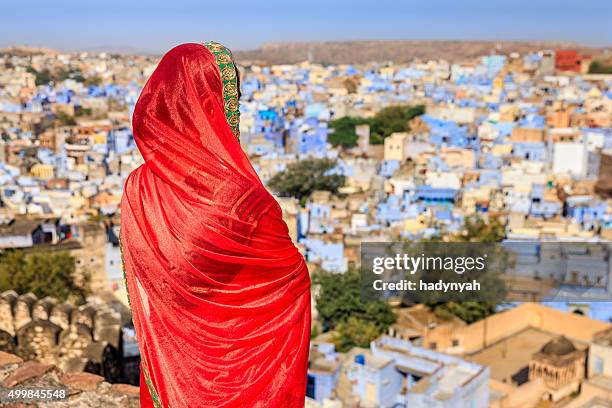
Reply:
x=220, y=296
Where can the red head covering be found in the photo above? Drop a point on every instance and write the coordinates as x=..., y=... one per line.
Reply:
x=219, y=294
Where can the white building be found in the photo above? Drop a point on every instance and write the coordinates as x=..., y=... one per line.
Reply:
x=570, y=158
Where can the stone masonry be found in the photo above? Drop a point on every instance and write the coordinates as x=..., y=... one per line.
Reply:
x=84, y=338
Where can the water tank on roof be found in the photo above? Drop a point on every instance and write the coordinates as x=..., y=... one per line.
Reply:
x=360, y=359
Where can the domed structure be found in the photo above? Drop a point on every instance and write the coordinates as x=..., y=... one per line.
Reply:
x=559, y=363
x=559, y=346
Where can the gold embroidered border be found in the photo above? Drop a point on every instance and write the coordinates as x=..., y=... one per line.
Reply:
x=152, y=392
x=227, y=70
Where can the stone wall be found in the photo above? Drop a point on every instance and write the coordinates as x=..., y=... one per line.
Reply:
x=90, y=257
x=476, y=336
x=84, y=338
x=83, y=389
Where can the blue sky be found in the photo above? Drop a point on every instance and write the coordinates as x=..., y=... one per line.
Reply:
x=157, y=25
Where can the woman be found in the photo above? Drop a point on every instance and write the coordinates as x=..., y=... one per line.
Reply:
x=219, y=294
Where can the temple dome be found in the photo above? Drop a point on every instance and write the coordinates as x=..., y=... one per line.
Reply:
x=559, y=346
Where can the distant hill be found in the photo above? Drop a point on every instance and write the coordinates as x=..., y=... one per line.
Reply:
x=359, y=52
x=26, y=51
x=356, y=52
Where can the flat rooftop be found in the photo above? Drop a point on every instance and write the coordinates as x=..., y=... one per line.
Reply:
x=508, y=358
x=598, y=402
x=376, y=361
x=603, y=338
x=455, y=377
x=602, y=382
x=324, y=365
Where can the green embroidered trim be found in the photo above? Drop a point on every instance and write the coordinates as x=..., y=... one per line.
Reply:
x=227, y=69
x=152, y=392
x=123, y=271
x=154, y=396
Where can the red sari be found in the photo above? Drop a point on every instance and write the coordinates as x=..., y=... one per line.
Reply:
x=220, y=296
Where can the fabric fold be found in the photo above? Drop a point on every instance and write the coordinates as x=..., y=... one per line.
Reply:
x=220, y=295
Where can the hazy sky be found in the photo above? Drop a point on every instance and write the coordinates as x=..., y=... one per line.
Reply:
x=157, y=25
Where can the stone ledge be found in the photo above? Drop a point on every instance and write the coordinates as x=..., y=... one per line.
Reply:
x=85, y=390
x=82, y=381
x=9, y=359
x=27, y=371
x=125, y=389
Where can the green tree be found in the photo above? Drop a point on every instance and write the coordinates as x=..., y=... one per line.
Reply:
x=43, y=77
x=350, y=85
x=41, y=273
x=392, y=119
x=303, y=177
x=81, y=111
x=478, y=229
x=339, y=300
x=386, y=121
x=598, y=67
x=314, y=332
x=64, y=119
x=354, y=332
x=343, y=131
x=468, y=311
x=92, y=81
x=61, y=74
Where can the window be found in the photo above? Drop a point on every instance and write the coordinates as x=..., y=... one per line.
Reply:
x=433, y=345
x=455, y=342
x=599, y=365
x=310, y=386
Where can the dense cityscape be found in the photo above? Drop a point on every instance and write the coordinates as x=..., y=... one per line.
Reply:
x=499, y=148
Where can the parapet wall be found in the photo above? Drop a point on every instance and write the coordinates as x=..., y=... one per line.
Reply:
x=83, y=338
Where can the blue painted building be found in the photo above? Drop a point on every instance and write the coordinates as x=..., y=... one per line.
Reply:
x=323, y=371
x=394, y=373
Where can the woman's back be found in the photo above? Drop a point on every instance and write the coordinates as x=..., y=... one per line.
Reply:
x=219, y=293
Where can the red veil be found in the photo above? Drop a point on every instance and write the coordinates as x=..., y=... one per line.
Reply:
x=219, y=294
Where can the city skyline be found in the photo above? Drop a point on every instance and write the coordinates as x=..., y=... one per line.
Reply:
x=443, y=149
x=154, y=27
